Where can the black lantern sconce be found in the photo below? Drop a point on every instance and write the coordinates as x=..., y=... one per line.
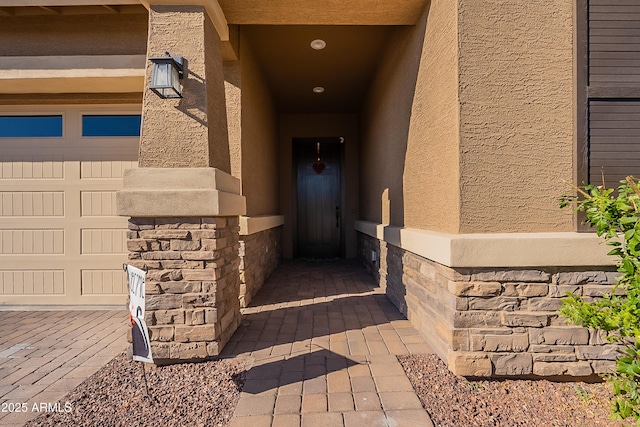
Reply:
x=167, y=72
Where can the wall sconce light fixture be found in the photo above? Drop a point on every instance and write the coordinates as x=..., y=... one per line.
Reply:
x=166, y=75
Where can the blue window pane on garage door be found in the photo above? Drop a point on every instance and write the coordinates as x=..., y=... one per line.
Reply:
x=30, y=126
x=111, y=125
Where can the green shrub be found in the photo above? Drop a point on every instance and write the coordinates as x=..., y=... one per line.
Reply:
x=616, y=217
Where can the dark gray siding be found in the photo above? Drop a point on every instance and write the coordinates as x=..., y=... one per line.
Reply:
x=614, y=143
x=614, y=42
x=613, y=83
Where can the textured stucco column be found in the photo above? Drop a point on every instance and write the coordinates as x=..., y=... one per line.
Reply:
x=191, y=131
x=183, y=205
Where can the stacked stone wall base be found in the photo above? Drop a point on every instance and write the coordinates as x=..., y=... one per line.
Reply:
x=192, y=284
x=260, y=253
x=495, y=322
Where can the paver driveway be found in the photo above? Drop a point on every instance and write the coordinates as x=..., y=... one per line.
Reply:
x=46, y=354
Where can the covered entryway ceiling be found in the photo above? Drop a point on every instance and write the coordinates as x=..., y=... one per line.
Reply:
x=293, y=68
x=356, y=33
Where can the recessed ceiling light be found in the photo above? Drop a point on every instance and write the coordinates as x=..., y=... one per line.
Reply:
x=318, y=44
x=318, y=89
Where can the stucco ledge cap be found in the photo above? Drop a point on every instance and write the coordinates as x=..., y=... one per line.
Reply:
x=256, y=224
x=171, y=192
x=496, y=249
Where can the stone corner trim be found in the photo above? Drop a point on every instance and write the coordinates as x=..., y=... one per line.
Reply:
x=517, y=250
x=255, y=224
x=179, y=192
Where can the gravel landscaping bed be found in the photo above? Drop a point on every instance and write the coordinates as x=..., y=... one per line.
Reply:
x=452, y=401
x=193, y=394
x=206, y=394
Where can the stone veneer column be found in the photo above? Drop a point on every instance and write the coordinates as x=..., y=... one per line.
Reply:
x=183, y=204
x=192, y=283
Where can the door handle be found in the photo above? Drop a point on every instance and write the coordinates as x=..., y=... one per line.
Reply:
x=337, y=216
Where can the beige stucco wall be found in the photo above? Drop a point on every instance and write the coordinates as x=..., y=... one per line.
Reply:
x=516, y=114
x=468, y=123
x=259, y=138
x=50, y=35
x=319, y=125
x=233, y=98
x=253, y=137
x=409, y=151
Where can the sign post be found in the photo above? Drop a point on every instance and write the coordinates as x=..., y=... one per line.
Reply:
x=139, y=332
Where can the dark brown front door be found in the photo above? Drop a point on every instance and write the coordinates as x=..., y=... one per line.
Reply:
x=319, y=196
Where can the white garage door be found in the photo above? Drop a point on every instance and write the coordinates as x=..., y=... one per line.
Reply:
x=61, y=242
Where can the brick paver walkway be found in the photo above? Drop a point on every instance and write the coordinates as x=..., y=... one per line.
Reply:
x=325, y=339
x=46, y=354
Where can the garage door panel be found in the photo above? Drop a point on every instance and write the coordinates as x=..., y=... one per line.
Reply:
x=104, y=282
x=16, y=166
x=98, y=203
x=61, y=241
x=103, y=241
x=32, y=282
x=32, y=203
x=101, y=169
x=32, y=242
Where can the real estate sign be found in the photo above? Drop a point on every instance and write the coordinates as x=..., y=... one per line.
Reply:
x=139, y=331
